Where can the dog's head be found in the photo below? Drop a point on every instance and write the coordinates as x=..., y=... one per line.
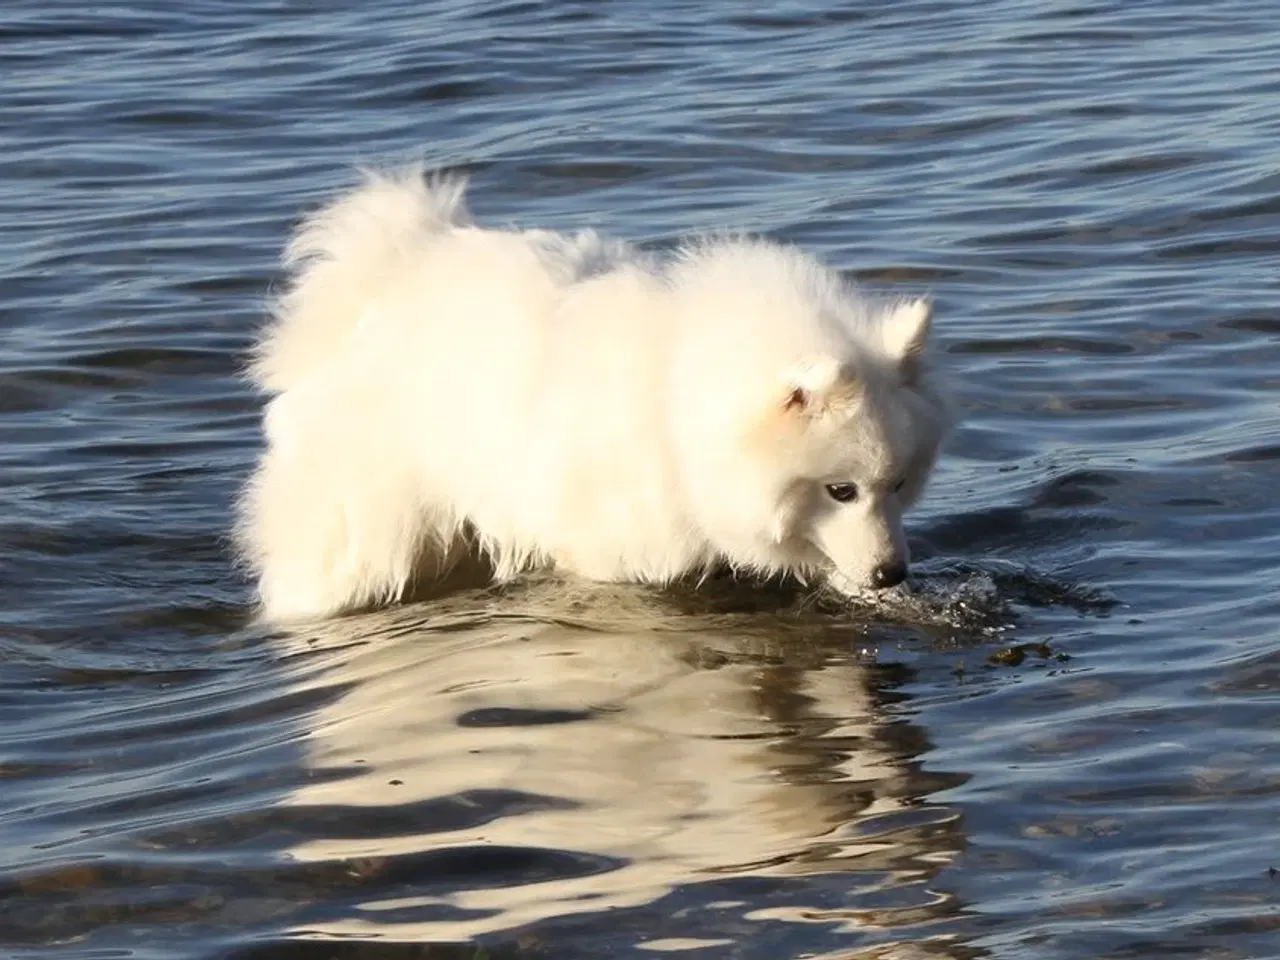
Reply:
x=862, y=433
x=806, y=417
x=843, y=443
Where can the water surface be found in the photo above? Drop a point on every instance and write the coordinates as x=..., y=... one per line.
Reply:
x=1066, y=749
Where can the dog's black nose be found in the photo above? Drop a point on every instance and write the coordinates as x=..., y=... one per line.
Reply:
x=888, y=575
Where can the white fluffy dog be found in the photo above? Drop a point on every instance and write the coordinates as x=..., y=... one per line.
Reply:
x=530, y=399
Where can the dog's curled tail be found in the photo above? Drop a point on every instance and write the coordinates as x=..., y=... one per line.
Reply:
x=338, y=258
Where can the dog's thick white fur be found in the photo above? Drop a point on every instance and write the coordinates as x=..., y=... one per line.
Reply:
x=540, y=400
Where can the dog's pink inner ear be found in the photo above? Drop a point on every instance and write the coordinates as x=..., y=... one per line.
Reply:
x=809, y=385
x=797, y=399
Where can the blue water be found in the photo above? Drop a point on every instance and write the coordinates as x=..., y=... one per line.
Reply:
x=1068, y=748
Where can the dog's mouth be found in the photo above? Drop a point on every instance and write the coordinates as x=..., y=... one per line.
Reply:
x=863, y=589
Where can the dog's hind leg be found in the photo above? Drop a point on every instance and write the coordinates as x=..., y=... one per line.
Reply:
x=328, y=536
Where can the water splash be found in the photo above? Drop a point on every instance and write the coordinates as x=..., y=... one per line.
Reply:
x=972, y=598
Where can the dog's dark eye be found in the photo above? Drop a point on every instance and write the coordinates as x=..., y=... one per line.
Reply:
x=901, y=483
x=842, y=492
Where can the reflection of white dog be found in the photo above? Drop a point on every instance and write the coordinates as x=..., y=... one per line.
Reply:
x=569, y=402
x=618, y=759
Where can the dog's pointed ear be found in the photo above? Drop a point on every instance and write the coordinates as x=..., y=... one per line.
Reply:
x=809, y=386
x=906, y=333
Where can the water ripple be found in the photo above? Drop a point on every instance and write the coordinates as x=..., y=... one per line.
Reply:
x=1061, y=740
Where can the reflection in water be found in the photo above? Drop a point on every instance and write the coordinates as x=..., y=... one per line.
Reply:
x=495, y=773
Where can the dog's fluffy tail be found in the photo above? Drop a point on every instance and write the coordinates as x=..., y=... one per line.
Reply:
x=339, y=256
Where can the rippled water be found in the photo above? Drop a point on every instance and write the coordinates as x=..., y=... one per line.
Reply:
x=1065, y=747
